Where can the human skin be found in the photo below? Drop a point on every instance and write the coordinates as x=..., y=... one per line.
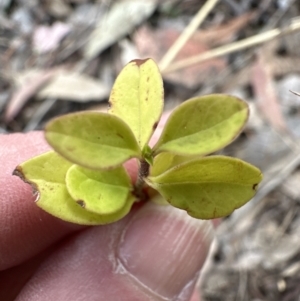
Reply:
x=154, y=253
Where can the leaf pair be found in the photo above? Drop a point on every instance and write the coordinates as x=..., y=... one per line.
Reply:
x=89, y=185
x=101, y=141
x=76, y=194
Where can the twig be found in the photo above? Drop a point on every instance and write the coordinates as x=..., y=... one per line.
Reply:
x=233, y=47
x=186, y=34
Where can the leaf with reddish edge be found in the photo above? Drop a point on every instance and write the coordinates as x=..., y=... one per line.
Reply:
x=137, y=98
x=203, y=125
x=92, y=139
x=46, y=174
x=208, y=187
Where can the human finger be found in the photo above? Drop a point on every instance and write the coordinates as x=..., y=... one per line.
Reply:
x=155, y=253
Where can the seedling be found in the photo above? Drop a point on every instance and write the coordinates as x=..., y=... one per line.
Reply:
x=84, y=181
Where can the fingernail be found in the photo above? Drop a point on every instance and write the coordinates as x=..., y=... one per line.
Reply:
x=163, y=248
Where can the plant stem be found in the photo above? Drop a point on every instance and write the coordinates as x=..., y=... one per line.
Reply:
x=143, y=173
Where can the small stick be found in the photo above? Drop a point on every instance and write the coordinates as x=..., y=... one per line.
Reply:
x=233, y=47
x=187, y=33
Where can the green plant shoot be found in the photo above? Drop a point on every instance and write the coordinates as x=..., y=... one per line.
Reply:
x=84, y=181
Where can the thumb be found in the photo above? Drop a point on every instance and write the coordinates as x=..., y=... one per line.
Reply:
x=164, y=249
x=155, y=253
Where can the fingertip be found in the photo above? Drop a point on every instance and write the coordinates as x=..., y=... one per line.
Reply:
x=164, y=249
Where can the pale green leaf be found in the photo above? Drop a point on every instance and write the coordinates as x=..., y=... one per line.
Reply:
x=92, y=139
x=99, y=191
x=46, y=174
x=209, y=187
x=159, y=200
x=147, y=154
x=165, y=161
x=137, y=98
x=203, y=125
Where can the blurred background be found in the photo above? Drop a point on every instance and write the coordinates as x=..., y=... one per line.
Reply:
x=61, y=56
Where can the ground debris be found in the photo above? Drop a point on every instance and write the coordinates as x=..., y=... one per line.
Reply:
x=59, y=56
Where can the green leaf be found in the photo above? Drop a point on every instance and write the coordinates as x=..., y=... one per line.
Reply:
x=92, y=139
x=209, y=187
x=203, y=125
x=147, y=154
x=137, y=98
x=165, y=161
x=46, y=174
x=102, y=192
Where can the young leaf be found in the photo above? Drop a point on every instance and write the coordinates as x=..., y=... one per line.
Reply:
x=165, y=161
x=203, y=125
x=92, y=139
x=99, y=191
x=137, y=98
x=209, y=187
x=46, y=173
x=147, y=154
